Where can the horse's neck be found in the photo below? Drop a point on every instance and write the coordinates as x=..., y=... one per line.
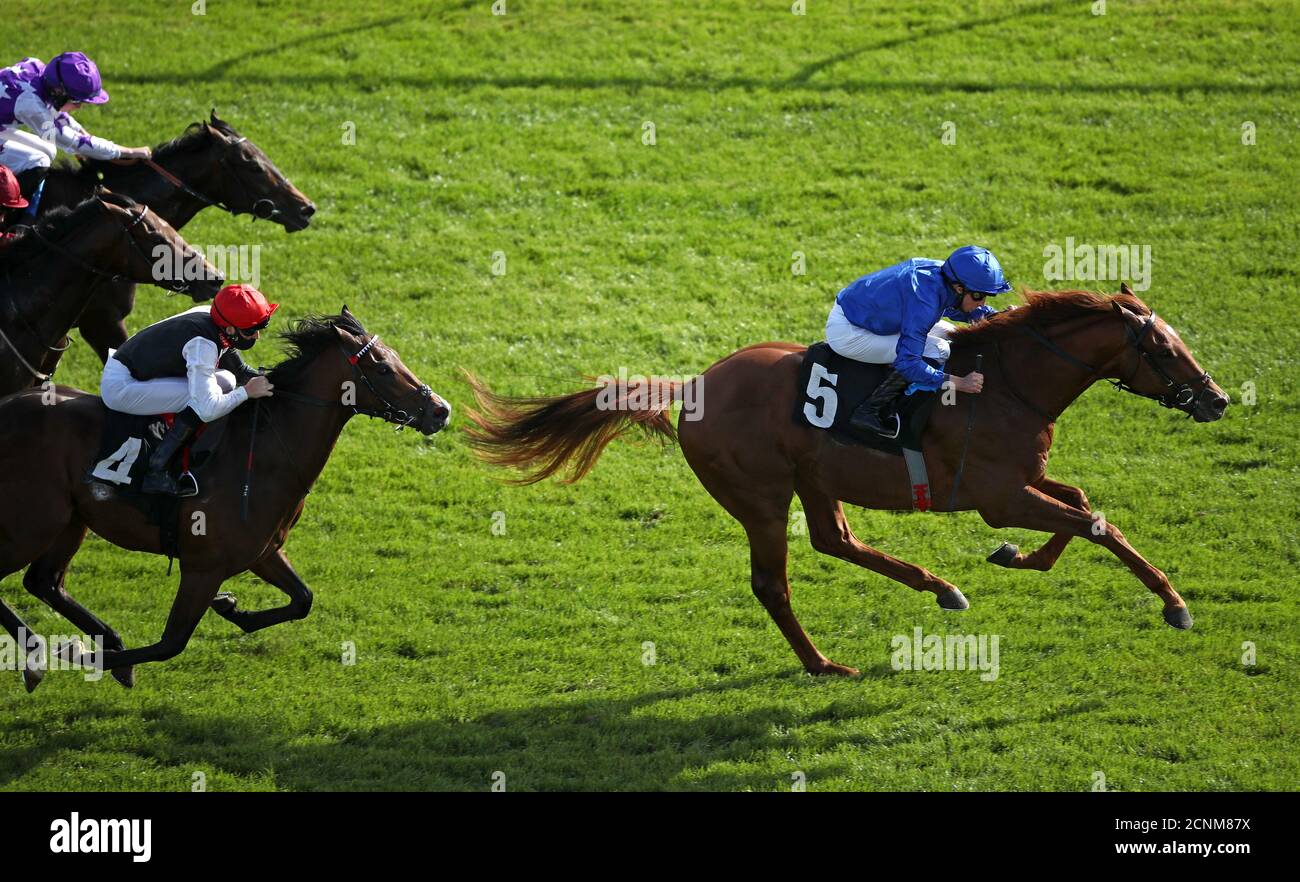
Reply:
x=308, y=431
x=58, y=289
x=1060, y=381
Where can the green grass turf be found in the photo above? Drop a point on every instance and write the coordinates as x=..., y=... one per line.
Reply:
x=776, y=133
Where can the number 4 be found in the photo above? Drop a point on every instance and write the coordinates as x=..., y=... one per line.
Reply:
x=824, y=394
x=117, y=468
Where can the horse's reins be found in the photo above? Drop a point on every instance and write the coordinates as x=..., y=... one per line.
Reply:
x=255, y=211
x=390, y=414
x=1178, y=396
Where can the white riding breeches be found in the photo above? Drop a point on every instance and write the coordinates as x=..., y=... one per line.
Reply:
x=857, y=343
x=23, y=150
x=123, y=392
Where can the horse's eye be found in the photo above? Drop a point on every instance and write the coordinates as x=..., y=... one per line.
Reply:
x=384, y=368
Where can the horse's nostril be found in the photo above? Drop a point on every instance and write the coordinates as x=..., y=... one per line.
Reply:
x=309, y=209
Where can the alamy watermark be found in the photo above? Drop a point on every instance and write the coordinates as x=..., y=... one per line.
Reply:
x=949, y=652
x=1099, y=263
x=637, y=392
x=235, y=263
x=34, y=650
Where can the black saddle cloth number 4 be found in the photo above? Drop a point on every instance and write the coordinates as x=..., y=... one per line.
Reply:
x=822, y=400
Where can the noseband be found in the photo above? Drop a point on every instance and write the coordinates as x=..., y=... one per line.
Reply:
x=1182, y=397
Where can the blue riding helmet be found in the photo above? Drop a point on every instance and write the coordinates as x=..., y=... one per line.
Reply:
x=977, y=269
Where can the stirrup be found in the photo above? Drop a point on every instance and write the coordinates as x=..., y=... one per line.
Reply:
x=187, y=485
x=885, y=432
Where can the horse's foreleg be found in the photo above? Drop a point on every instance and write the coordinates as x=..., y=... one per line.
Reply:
x=192, y=599
x=44, y=580
x=1044, y=558
x=275, y=569
x=829, y=532
x=1034, y=510
x=103, y=322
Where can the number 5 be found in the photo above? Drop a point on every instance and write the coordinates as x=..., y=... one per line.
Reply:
x=824, y=394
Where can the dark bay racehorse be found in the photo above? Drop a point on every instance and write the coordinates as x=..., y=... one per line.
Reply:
x=48, y=275
x=752, y=457
x=335, y=370
x=210, y=164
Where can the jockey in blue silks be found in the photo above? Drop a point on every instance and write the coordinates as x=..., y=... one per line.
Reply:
x=892, y=317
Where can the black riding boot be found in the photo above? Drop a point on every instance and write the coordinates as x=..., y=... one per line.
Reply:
x=876, y=414
x=159, y=480
x=31, y=182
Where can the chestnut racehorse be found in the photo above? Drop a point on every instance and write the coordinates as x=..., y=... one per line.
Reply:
x=749, y=453
x=336, y=369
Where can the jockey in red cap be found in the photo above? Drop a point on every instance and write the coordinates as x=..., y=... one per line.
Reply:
x=189, y=365
x=11, y=204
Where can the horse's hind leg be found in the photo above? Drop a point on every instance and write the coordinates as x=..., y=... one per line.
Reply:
x=33, y=671
x=1010, y=556
x=45, y=581
x=275, y=569
x=762, y=507
x=830, y=534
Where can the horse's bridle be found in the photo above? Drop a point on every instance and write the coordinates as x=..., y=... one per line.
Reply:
x=1180, y=397
x=1177, y=396
x=390, y=413
x=256, y=211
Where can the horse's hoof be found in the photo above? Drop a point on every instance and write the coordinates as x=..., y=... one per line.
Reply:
x=1004, y=555
x=125, y=676
x=830, y=668
x=32, y=677
x=1178, y=617
x=953, y=599
x=223, y=603
x=72, y=651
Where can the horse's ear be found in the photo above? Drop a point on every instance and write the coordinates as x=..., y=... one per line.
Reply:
x=1125, y=289
x=214, y=119
x=346, y=313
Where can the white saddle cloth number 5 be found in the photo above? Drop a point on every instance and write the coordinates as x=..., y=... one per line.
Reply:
x=826, y=395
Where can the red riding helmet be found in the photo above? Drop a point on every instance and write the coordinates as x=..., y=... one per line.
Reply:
x=11, y=195
x=242, y=307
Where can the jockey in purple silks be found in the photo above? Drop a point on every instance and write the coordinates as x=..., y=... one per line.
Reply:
x=892, y=316
x=39, y=97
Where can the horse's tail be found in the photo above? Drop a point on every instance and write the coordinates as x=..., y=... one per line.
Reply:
x=542, y=436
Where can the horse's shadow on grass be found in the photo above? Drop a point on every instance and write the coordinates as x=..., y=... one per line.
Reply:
x=639, y=742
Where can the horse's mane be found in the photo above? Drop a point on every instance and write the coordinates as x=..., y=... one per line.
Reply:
x=53, y=224
x=305, y=339
x=193, y=139
x=1042, y=309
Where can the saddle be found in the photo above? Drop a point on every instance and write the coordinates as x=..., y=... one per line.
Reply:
x=122, y=460
x=831, y=387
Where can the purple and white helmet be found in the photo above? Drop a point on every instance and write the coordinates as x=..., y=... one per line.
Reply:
x=77, y=76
